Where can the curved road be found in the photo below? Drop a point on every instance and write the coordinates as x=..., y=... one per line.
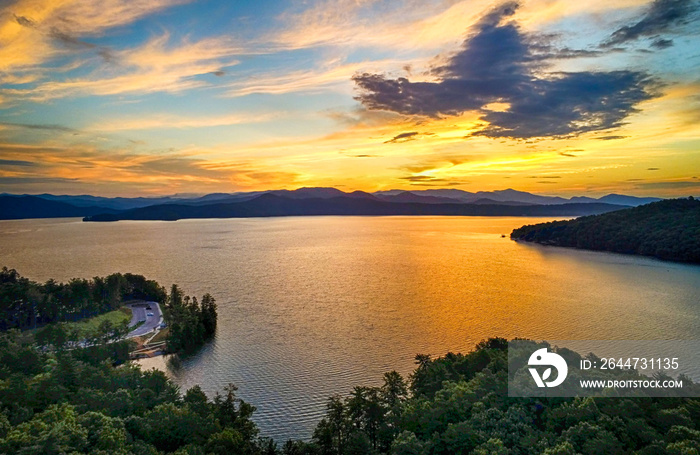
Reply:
x=152, y=318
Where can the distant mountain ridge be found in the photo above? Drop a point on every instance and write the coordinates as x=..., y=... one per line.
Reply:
x=20, y=207
x=269, y=205
x=52, y=206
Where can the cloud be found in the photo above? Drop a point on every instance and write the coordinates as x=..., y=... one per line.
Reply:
x=80, y=167
x=652, y=169
x=309, y=81
x=569, y=154
x=660, y=17
x=662, y=43
x=156, y=66
x=39, y=126
x=499, y=63
x=16, y=163
x=609, y=138
x=33, y=32
x=429, y=180
x=178, y=122
x=33, y=180
x=403, y=137
x=669, y=185
x=375, y=24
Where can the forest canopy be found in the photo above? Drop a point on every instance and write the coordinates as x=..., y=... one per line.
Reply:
x=668, y=229
x=27, y=304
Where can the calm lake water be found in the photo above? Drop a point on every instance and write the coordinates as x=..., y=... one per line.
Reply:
x=312, y=306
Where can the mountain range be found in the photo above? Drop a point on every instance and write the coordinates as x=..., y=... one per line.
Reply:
x=310, y=201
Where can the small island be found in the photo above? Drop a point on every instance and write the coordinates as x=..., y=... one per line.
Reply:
x=668, y=230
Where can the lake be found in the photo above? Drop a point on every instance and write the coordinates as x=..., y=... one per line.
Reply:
x=312, y=306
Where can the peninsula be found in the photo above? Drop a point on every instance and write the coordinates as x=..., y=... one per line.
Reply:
x=668, y=230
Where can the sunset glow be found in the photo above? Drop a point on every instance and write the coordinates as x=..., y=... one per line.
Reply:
x=129, y=98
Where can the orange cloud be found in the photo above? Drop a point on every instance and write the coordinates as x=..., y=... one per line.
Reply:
x=153, y=67
x=31, y=31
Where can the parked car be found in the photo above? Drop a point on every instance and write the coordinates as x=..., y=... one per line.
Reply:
x=149, y=314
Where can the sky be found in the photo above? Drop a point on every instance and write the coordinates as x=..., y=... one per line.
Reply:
x=157, y=97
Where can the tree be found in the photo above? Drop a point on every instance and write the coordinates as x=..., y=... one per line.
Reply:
x=208, y=314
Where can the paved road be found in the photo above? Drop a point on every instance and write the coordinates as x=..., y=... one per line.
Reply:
x=140, y=312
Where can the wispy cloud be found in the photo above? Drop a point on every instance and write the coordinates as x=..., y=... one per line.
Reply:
x=376, y=23
x=156, y=66
x=660, y=17
x=35, y=31
x=609, y=137
x=38, y=126
x=178, y=122
x=328, y=75
x=17, y=163
x=84, y=167
x=677, y=184
x=403, y=137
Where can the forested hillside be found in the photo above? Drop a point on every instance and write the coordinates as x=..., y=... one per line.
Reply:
x=668, y=229
x=28, y=304
x=459, y=404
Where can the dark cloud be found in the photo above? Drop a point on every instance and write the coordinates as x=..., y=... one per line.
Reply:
x=16, y=163
x=363, y=156
x=669, y=185
x=652, y=169
x=39, y=126
x=500, y=63
x=662, y=16
x=25, y=21
x=403, y=137
x=567, y=53
x=422, y=178
x=544, y=177
x=70, y=40
x=441, y=185
x=662, y=43
x=569, y=154
x=106, y=54
x=66, y=39
x=32, y=180
x=427, y=180
x=219, y=73
x=609, y=138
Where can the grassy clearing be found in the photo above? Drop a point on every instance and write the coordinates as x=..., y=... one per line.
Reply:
x=116, y=317
x=126, y=310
